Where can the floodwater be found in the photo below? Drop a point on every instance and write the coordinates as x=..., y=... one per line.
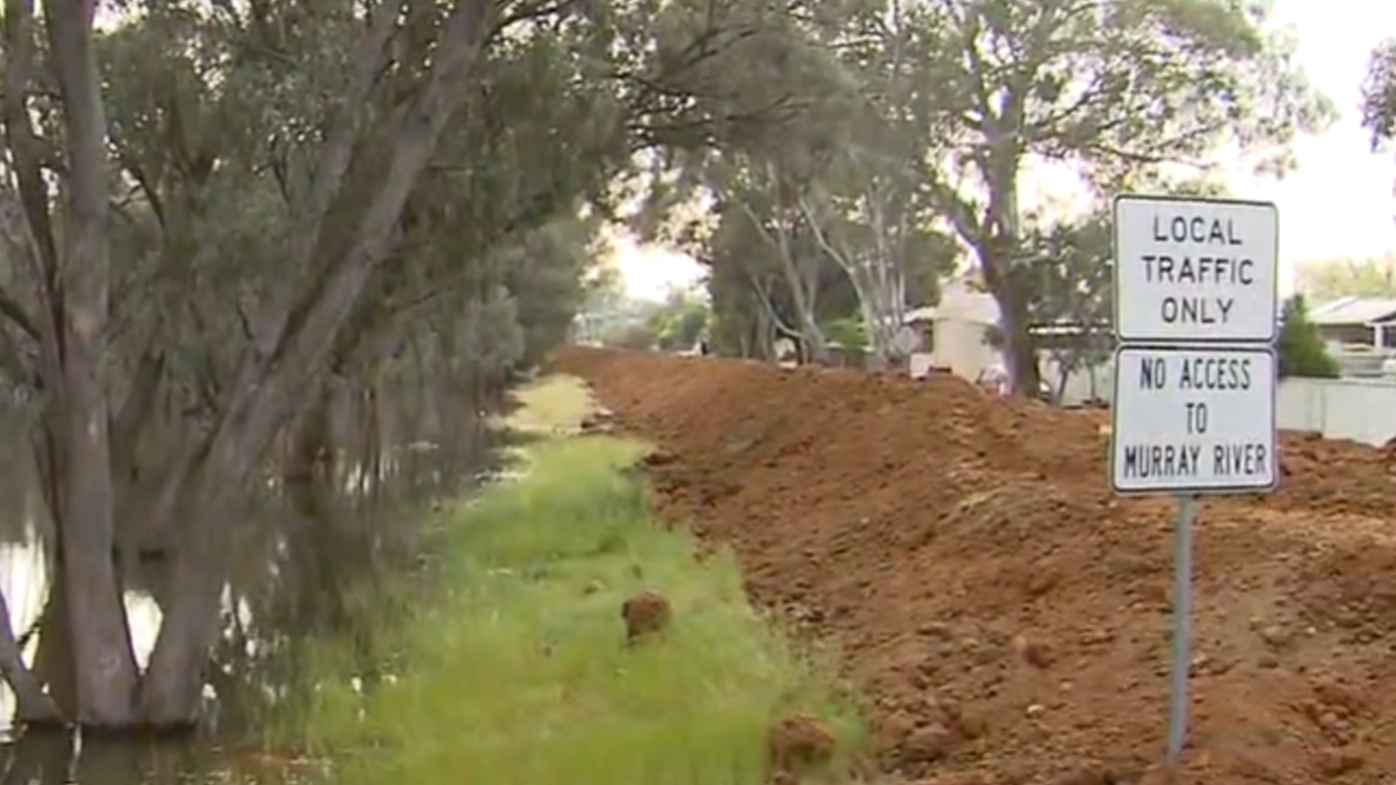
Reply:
x=290, y=580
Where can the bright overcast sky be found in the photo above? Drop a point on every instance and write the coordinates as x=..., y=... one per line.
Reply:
x=1339, y=203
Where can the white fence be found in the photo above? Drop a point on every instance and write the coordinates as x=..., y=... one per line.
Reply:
x=1363, y=410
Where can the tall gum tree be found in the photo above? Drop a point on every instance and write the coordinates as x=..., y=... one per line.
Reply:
x=1109, y=89
x=829, y=186
x=869, y=207
x=753, y=177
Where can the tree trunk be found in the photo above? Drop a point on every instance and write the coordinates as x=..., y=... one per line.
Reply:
x=1019, y=353
x=816, y=348
x=1064, y=372
x=106, y=664
x=877, y=281
x=769, y=326
x=172, y=693
x=107, y=676
x=1005, y=279
x=53, y=662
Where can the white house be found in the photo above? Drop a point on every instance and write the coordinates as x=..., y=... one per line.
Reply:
x=1360, y=333
x=957, y=331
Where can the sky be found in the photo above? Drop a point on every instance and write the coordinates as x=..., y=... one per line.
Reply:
x=1340, y=203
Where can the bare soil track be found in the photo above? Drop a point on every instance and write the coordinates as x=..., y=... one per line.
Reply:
x=1009, y=616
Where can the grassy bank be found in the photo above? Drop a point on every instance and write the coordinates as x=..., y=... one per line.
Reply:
x=518, y=673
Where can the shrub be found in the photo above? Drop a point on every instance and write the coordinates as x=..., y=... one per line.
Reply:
x=1301, y=348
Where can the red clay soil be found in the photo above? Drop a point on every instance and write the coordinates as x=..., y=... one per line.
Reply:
x=1009, y=616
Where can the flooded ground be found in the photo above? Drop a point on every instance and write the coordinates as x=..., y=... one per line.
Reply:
x=294, y=580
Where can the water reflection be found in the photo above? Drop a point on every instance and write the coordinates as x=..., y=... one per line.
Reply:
x=24, y=580
x=297, y=574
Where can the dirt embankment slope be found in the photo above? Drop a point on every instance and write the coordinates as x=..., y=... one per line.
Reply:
x=1009, y=616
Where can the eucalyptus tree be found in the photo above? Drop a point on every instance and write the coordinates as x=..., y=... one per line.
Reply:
x=769, y=279
x=778, y=212
x=869, y=207
x=1107, y=90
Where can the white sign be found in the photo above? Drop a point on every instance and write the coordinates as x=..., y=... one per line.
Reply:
x=1192, y=420
x=1195, y=270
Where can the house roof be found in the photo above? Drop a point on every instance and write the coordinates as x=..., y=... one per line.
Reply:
x=925, y=313
x=1365, y=311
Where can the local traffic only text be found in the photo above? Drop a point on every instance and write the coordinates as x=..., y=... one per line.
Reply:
x=1221, y=267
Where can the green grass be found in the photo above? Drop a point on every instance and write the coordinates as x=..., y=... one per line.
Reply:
x=554, y=405
x=518, y=674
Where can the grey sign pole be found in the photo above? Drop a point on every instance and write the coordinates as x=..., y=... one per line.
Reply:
x=1182, y=629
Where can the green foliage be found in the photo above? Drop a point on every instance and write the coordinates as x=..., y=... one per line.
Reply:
x=1301, y=347
x=681, y=321
x=520, y=673
x=1068, y=274
x=605, y=288
x=1070, y=265
x=219, y=115
x=677, y=322
x=847, y=332
x=548, y=275
x=1145, y=82
x=630, y=335
x=211, y=112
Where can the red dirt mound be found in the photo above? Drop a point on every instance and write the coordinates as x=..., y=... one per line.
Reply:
x=1007, y=614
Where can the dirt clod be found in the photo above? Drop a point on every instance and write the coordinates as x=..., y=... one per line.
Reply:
x=798, y=744
x=646, y=614
x=656, y=458
x=966, y=557
x=1334, y=762
x=928, y=744
x=1033, y=652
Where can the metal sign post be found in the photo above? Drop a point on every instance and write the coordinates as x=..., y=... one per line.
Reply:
x=1182, y=630
x=1196, y=312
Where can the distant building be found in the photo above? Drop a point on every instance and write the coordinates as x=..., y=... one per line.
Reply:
x=957, y=336
x=956, y=332
x=1360, y=333
x=1360, y=321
